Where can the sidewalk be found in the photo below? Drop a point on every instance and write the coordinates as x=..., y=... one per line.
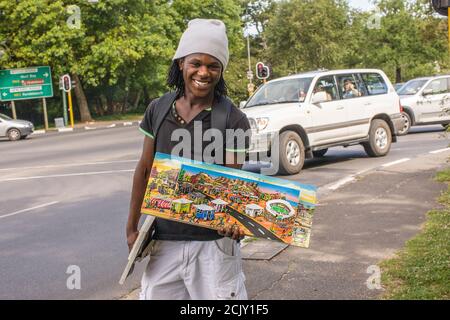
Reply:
x=92, y=125
x=354, y=228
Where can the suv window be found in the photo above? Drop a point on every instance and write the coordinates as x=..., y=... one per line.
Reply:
x=350, y=86
x=374, y=83
x=438, y=86
x=328, y=85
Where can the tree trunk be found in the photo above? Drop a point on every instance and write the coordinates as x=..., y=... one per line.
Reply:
x=85, y=114
x=398, y=74
x=136, y=101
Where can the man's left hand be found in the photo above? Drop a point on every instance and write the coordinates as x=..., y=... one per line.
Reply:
x=234, y=232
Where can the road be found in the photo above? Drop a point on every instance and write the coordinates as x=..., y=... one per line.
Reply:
x=253, y=226
x=65, y=202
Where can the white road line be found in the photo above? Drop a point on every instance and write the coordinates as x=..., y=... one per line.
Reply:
x=240, y=217
x=340, y=183
x=440, y=150
x=262, y=232
x=66, y=175
x=70, y=165
x=395, y=162
x=251, y=224
x=29, y=209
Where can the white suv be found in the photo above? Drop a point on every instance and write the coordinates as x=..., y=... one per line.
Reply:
x=425, y=101
x=317, y=110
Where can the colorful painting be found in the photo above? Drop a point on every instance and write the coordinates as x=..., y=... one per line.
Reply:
x=213, y=196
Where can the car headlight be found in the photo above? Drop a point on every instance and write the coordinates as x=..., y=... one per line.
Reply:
x=258, y=124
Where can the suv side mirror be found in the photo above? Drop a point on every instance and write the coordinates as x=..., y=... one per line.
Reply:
x=242, y=104
x=319, y=97
x=427, y=92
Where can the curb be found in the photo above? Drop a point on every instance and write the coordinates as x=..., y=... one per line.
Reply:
x=86, y=128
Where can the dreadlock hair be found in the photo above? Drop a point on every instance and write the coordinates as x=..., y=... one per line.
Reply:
x=175, y=81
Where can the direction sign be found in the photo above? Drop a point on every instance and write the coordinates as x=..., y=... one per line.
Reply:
x=25, y=83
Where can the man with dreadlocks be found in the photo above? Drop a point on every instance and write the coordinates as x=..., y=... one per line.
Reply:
x=190, y=262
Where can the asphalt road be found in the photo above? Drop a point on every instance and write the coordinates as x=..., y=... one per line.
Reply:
x=65, y=202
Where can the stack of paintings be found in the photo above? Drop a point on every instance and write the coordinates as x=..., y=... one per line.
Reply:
x=213, y=196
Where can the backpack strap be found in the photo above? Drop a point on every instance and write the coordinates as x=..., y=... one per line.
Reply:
x=161, y=109
x=220, y=115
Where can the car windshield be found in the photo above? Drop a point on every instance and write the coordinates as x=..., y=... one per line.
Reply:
x=4, y=117
x=284, y=91
x=411, y=87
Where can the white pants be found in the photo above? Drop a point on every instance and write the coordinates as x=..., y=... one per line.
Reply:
x=199, y=270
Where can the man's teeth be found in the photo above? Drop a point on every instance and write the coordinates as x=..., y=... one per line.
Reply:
x=199, y=83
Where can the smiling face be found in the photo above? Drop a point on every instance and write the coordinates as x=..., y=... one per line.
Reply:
x=201, y=73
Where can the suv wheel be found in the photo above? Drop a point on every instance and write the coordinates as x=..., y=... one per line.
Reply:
x=291, y=153
x=13, y=134
x=407, y=124
x=319, y=153
x=380, y=139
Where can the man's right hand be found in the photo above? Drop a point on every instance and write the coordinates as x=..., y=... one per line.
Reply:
x=131, y=239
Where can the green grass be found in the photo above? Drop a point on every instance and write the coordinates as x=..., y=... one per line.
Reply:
x=421, y=271
x=118, y=117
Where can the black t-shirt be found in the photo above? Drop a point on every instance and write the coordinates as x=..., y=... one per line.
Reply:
x=171, y=230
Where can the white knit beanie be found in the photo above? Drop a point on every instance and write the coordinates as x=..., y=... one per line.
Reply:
x=204, y=36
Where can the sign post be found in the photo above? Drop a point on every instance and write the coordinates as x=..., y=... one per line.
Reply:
x=44, y=105
x=13, y=107
x=26, y=83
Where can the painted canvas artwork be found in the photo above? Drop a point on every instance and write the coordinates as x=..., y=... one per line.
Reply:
x=213, y=196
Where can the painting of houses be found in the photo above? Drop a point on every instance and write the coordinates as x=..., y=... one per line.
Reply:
x=181, y=205
x=213, y=196
x=219, y=204
x=204, y=212
x=253, y=210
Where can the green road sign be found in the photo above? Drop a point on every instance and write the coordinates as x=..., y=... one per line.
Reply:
x=25, y=83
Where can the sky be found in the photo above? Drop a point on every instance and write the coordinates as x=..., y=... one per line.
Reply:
x=361, y=4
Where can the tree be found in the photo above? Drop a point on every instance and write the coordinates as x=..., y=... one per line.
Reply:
x=305, y=35
x=116, y=42
x=408, y=41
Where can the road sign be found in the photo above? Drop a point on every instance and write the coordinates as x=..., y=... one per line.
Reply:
x=249, y=75
x=25, y=83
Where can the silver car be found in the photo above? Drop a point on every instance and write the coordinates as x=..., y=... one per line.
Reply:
x=14, y=129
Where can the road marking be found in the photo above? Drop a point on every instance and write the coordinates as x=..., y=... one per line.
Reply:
x=251, y=224
x=111, y=126
x=440, y=150
x=127, y=124
x=70, y=165
x=65, y=129
x=240, y=217
x=340, y=183
x=66, y=175
x=395, y=162
x=262, y=232
x=29, y=209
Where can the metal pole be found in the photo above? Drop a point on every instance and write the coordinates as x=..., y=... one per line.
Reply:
x=66, y=121
x=70, y=108
x=248, y=53
x=44, y=104
x=13, y=107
